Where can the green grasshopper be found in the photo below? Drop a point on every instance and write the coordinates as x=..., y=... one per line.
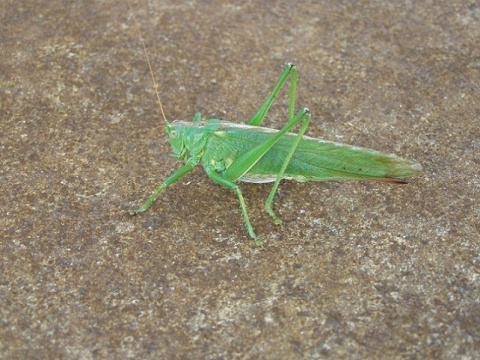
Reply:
x=232, y=152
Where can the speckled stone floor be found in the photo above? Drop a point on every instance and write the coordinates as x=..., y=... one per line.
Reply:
x=361, y=270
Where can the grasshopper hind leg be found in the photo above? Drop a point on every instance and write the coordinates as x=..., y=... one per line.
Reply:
x=289, y=71
x=304, y=116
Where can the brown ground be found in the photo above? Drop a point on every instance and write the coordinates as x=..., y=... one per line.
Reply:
x=361, y=270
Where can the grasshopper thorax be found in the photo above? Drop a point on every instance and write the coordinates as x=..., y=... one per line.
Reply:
x=189, y=138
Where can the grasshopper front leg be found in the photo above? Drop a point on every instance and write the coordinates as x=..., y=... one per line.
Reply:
x=177, y=175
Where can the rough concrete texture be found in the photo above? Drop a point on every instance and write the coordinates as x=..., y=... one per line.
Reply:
x=361, y=270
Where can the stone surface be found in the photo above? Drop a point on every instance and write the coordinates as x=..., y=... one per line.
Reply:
x=361, y=270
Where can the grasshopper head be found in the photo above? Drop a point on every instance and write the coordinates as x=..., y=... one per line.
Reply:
x=175, y=132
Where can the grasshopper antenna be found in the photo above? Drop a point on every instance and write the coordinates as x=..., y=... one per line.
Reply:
x=155, y=86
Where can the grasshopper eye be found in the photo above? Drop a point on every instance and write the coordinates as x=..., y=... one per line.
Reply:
x=173, y=133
